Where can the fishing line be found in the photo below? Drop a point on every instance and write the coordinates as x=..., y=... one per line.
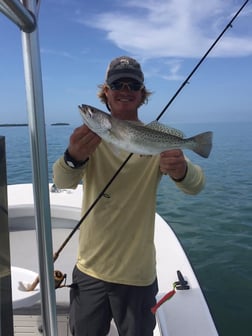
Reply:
x=186, y=81
x=102, y=193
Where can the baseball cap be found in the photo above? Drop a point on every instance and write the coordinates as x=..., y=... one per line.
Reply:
x=124, y=67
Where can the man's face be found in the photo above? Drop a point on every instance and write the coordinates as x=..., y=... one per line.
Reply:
x=124, y=96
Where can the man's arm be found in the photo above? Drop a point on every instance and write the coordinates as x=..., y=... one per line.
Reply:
x=69, y=169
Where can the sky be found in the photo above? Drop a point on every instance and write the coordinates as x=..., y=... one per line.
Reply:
x=168, y=37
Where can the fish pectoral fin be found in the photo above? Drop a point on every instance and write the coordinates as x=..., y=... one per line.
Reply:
x=157, y=126
x=112, y=134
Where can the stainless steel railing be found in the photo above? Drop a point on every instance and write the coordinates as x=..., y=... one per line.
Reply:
x=24, y=15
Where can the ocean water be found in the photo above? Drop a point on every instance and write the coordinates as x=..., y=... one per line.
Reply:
x=215, y=226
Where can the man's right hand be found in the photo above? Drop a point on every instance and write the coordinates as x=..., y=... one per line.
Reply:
x=82, y=143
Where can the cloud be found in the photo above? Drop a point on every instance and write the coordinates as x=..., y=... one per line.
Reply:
x=168, y=69
x=173, y=28
x=174, y=68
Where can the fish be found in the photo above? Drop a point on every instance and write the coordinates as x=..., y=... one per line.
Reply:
x=138, y=138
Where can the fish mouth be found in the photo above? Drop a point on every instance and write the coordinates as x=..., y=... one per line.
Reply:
x=86, y=111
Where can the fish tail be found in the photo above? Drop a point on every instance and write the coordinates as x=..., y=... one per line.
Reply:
x=203, y=144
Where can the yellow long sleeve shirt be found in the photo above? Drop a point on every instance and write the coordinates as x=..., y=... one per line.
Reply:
x=116, y=241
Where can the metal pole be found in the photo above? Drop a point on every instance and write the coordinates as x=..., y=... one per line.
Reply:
x=6, y=312
x=35, y=107
x=18, y=14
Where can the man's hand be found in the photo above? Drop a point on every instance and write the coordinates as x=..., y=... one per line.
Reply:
x=83, y=142
x=173, y=163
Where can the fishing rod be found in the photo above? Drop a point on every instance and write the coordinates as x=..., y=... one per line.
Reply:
x=103, y=192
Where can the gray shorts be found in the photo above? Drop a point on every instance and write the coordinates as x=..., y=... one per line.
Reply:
x=93, y=304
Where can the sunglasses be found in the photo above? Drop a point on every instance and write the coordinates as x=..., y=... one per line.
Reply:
x=132, y=86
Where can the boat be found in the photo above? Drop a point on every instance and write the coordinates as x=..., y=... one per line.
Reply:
x=186, y=313
x=41, y=217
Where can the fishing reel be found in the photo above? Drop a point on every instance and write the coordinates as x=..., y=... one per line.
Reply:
x=59, y=277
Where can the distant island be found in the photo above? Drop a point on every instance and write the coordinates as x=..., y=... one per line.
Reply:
x=25, y=124
x=60, y=124
x=12, y=125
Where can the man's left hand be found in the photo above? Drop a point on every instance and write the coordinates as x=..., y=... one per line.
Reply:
x=173, y=163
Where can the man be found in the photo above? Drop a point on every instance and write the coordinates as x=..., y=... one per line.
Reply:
x=115, y=274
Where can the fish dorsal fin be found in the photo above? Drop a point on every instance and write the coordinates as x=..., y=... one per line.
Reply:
x=157, y=126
